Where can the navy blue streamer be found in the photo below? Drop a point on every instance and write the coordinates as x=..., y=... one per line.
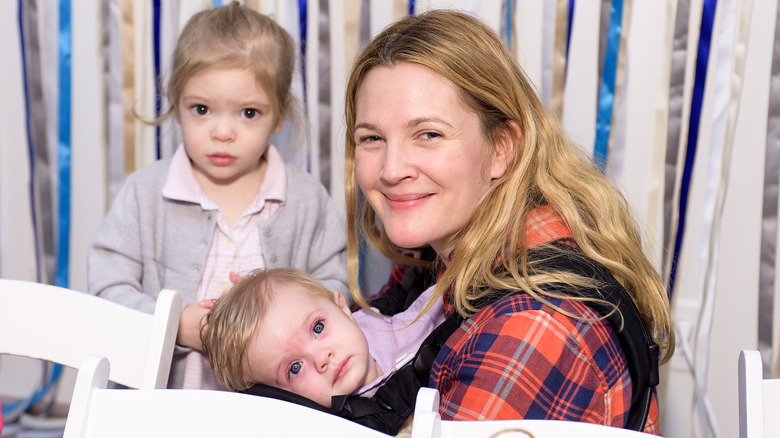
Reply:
x=158, y=79
x=302, y=17
x=568, y=35
x=702, y=58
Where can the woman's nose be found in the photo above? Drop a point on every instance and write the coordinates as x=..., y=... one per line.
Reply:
x=398, y=164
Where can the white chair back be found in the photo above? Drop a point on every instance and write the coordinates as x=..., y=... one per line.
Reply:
x=428, y=424
x=759, y=399
x=64, y=326
x=97, y=412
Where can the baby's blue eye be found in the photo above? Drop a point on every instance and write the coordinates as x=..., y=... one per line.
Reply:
x=295, y=368
x=319, y=326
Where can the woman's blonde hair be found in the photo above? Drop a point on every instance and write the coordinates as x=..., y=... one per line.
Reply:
x=235, y=317
x=546, y=170
x=234, y=36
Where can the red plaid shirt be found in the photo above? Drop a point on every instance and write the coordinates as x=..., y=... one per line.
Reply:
x=520, y=359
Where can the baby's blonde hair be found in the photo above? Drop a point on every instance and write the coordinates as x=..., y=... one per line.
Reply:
x=235, y=317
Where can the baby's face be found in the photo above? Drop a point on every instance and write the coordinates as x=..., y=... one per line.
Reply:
x=309, y=345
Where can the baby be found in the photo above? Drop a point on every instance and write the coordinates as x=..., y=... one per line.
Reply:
x=282, y=328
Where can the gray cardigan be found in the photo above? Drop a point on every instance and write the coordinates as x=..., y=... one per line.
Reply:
x=147, y=243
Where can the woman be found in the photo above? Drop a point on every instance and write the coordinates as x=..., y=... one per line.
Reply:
x=453, y=151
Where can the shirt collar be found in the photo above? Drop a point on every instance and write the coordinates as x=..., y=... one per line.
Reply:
x=181, y=184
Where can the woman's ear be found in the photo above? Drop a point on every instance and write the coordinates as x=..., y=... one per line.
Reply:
x=504, y=150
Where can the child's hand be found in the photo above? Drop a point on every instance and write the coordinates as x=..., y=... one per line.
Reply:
x=191, y=323
x=206, y=303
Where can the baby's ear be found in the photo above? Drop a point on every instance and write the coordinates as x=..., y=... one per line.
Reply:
x=342, y=303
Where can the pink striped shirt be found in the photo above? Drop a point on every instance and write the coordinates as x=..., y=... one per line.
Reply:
x=234, y=249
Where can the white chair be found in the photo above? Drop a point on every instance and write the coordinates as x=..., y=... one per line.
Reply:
x=428, y=424
x=759, y=399
x=118, y=413
x=64, y=326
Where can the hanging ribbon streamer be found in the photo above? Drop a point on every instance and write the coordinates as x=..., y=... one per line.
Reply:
x=617, y=134
x=37, y=145
x=157, y=91
x=112, y=82
x=729, y=73
x=674, y=129
x=660, y=131
x=64, y=146
x=128, y=86
x=508, y=14
x=311, y=85
x=702, y=59
x=607, y=87
x=767, y=270
x=568, y=32
x=302, y=22
x=549, y=17
x=562, y=25
x=411, y=7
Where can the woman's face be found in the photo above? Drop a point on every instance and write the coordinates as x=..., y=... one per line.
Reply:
x=420, y=156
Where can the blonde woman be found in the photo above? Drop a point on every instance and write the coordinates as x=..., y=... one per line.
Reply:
x=453, y=151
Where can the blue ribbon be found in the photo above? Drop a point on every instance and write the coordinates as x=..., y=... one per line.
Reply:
x=510, y=8
x=607, y=88
x=157, y=91
x=29, y=402
x=411, y=7
x=702, y=58
x=568, y=36
x=216, y=3
x=63, y=144
x=302, y=17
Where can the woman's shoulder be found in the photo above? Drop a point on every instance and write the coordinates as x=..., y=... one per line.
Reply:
x=559, y=323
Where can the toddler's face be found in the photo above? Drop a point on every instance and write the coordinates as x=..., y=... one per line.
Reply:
x=309, y=345
x=226, y=121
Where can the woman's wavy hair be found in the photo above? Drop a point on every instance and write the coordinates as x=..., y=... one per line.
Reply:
x=546, y=170
x=236, y=315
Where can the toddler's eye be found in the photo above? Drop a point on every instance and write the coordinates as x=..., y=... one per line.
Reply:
x=201, y=110
x=295, y=368
x=319, y=326
x=250, y=113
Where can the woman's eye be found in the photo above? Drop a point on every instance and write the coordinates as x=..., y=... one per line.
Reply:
x=319, y=326
x=200, y=110
x=295, y=368
x=430, y=135
x=250, y=113
x=370, y=139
